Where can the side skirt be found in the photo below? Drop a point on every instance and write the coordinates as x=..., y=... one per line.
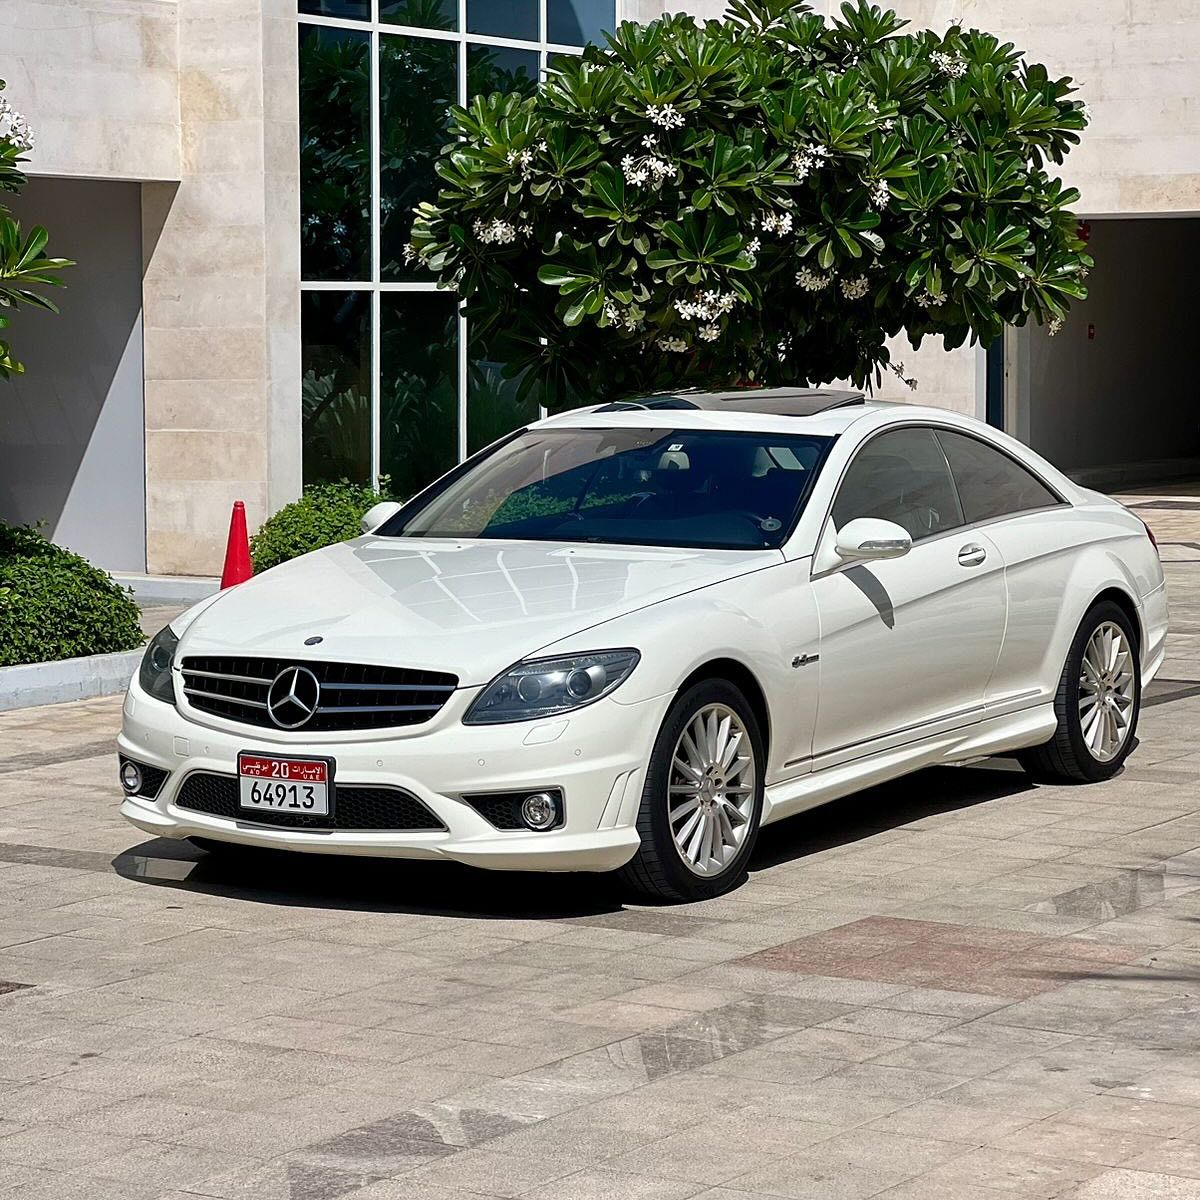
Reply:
x=995, y=735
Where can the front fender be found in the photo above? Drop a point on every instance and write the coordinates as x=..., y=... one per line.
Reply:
x=761, y=621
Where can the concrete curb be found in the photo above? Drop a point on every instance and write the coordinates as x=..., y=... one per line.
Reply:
x=32, y=684
x=152, y=590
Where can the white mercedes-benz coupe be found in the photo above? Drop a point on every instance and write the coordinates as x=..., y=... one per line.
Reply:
x=626, y=637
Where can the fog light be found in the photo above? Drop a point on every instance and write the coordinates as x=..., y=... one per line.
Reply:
x=539, y=810
x=131, y=777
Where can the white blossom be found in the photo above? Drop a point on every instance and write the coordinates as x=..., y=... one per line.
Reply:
x=949, y=65
x=650, y=141
x=808, y=158
x=856, y=288
x=522, y=161
x=780, y=223
x=707, y=306
x=928, y=299
x=667, y=116
x=1055, y=327
x=494, y=232
x=710, y=333
x=14, y=127
x=648, y=171
x=879, y=193
x=672, y=345
x=897, y=369
x=812, y=281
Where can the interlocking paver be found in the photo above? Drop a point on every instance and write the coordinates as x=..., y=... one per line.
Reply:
x=959, y=985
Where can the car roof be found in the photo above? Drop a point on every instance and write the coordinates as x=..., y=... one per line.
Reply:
x=781, y=410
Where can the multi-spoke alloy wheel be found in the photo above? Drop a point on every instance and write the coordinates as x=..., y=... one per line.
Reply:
x=1097, y=702
x=711, y=792
x=702, y=797
x=1106, y=691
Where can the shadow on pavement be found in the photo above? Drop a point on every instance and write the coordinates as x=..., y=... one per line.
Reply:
x=888, y=806
x=448, y=889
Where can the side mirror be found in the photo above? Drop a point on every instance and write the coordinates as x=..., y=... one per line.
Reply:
x=866, y=538
x=377, y=514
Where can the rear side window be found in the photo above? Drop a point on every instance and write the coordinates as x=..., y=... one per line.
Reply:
x=902, y=477
x=990, y=484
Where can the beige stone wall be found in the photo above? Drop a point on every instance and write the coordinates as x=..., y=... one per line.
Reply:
x=195, y=99
x=222, y=287
x=99, y=80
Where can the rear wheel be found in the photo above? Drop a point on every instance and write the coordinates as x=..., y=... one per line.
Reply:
x=1098, y=702
x=702, y=799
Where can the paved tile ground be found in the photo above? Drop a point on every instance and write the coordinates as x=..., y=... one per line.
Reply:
x=956, y=986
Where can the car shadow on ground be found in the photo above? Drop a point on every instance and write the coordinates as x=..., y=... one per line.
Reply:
x=447, y=889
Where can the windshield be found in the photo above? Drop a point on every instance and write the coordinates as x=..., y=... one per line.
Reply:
x=658, y=487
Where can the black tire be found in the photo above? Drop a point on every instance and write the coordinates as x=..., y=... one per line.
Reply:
x=657, y=870
x=1066, y=758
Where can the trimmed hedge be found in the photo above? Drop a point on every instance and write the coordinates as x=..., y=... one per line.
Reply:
x=54, y=604
x=326, y=513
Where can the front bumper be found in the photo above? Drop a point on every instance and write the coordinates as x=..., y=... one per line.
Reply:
x=596, y=757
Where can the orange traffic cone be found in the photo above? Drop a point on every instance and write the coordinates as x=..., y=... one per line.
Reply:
x=238, y=567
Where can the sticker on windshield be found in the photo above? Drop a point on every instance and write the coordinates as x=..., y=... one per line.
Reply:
x=675, y=448
x=770, y=524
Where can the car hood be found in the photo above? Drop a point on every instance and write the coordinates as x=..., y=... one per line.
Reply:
x=471, y=608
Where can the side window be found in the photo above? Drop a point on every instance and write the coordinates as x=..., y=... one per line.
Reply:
x=900, y=476
x=990, y=484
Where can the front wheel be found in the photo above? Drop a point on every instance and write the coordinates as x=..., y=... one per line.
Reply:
x=1097, y=704
x=702, y=800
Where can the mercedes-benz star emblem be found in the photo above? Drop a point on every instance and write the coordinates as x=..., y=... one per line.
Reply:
x=292, y=697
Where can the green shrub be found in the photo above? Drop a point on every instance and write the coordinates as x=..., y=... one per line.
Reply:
x=54, y=604
x=326, y=513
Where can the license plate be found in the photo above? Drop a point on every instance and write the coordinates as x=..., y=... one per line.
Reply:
x=296, y=786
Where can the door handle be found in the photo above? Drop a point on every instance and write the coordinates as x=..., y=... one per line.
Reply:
x=971, y=555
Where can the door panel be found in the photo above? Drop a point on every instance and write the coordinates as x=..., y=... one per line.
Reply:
x=1040, y=550
x=907, y=643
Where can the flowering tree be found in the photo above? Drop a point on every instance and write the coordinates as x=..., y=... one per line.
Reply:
x=23, y=266
x=766, y=198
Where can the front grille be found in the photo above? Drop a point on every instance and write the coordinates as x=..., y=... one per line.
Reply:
x=353, y=807
x=353, y=696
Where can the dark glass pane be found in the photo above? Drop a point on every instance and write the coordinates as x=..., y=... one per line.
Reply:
x=504, y=18
x=574, y=22
x=428, y=14
x=355, y=10
x=500, y=69
x=658, y=486
x=335, y=330
x=492, y=405
x=418, y=81
x=335, y=176
x=990, y=483
x=901, y=477
x=418, y=397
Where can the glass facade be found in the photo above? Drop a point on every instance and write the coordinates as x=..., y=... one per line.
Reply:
x=391, y=385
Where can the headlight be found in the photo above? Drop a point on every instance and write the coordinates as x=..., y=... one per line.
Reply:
x=542, y=687
x=155, y=672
